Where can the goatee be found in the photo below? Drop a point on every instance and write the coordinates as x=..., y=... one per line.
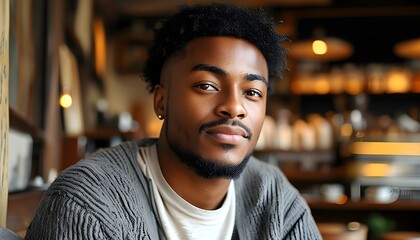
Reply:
x=207, y=168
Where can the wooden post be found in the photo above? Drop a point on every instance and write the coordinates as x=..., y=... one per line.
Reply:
x=4, y=108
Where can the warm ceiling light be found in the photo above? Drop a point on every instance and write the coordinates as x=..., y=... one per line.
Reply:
x=329, y=49
x=408, y=49
x=66, y=100
x=319, y=47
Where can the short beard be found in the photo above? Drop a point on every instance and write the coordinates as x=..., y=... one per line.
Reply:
x=206, y=168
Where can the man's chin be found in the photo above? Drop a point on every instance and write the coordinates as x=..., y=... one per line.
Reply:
x=214, y=169
x=219, y=164
x=210, y=160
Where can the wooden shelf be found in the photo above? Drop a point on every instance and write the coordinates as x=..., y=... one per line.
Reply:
x=21, y=209
x=330, y=175
x=107, y=133
x=18, y=122
x=366, y=205
x=278, y=151
x=276, y=156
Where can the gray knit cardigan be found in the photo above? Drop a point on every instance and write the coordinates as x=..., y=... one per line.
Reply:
x=107, y=197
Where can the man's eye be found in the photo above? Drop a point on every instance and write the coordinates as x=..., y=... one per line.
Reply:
x=207, y=87
x=253, y=93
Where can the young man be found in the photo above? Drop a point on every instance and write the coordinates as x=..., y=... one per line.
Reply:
x=210, y=68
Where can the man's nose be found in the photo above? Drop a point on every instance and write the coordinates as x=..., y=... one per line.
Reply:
x=232, y=106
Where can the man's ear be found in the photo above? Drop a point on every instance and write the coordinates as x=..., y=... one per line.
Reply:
x=159, y=96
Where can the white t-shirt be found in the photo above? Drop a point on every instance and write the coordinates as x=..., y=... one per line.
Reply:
x=180, y=219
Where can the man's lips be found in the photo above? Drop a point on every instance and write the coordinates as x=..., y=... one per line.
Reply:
x=227, y=130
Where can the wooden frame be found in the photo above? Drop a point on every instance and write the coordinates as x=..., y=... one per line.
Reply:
x=4, y=108
x=22, y=58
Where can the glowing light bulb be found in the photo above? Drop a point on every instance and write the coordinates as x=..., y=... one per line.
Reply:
x=319, y=47
x=66, y=100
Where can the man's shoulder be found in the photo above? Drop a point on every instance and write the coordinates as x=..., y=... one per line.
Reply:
x=258, y=168
x=105, y=186
x=101, y=172
x=265, y=195
x=261, y=178
x=112, y=159
x=119, y=159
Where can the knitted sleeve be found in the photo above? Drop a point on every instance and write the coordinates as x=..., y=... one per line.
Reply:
x=60, y=217
x=101, y=197
x=303, y=228
x=269, y=207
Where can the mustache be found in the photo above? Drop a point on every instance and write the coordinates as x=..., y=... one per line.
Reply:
x=229, y=122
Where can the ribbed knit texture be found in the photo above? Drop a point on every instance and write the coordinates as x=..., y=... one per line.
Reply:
x=7, y=234
x=108, y=197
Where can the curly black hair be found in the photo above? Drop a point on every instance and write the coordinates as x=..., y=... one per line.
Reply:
x=215, y=19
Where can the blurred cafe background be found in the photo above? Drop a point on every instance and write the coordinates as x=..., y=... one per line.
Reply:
x=343, y=123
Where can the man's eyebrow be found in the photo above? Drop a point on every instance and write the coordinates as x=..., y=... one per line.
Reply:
x=210, y=68
x=252, y=77
x=221, y=72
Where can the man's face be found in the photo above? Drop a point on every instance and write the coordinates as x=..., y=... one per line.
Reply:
x=214, y=95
